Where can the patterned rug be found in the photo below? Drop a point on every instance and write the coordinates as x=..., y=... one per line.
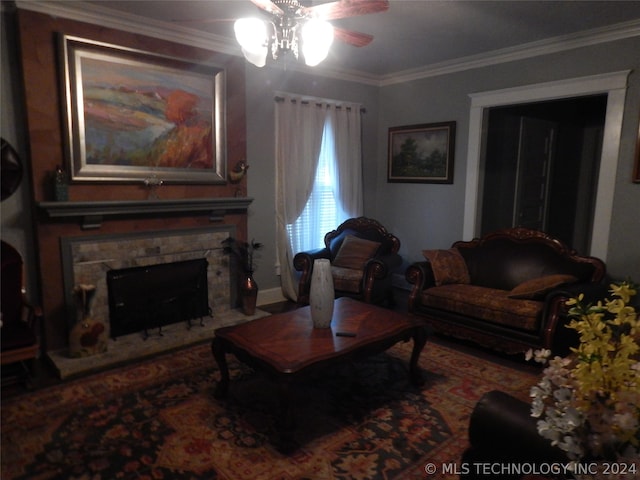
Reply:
x=158, y=419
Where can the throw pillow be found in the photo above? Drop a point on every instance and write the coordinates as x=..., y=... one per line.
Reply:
x=448, y=266
x=354, y=252
x=536, y=288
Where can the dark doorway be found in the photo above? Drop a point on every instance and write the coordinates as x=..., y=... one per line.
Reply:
x=541, y=167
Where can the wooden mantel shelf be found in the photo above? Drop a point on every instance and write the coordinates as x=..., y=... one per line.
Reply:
x=93, y=212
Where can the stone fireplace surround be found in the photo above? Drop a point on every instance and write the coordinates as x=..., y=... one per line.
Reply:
x=86, y=259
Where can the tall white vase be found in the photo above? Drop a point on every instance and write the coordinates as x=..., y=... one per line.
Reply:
x=321, y=295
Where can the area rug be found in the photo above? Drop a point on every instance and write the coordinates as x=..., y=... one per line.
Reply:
x=158, y=419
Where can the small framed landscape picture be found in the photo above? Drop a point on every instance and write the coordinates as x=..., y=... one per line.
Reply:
x=422, y=153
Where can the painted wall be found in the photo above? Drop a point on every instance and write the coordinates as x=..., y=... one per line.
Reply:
x=431, y=216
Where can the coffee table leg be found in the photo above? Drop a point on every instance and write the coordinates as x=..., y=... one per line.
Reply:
x=419, y=341
x=217, y=348
x=287, y=423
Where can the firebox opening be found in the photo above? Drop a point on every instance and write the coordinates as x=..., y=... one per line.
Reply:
x=150, y=297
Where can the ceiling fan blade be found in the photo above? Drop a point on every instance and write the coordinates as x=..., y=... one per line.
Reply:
x=204, y=21
x=268, y=6
x=356, y=39
x=346, y=8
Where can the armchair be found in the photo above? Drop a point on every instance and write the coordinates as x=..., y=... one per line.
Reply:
x=19, y=340
x=363, y=255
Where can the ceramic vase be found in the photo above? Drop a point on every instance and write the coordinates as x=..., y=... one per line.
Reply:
x=321, y=295
x=89, y=335
x=249, y=294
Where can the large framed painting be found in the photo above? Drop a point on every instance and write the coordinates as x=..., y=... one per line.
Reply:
x=422, y=153
x=137, y=116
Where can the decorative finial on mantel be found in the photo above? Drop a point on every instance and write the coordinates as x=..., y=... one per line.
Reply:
x=239, y=171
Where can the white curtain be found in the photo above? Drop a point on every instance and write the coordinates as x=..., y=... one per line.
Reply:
x=299, y=127
x=348, y=154
x=299, y=132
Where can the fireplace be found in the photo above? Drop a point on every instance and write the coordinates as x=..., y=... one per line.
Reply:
x=102, y=260
x=150, y=297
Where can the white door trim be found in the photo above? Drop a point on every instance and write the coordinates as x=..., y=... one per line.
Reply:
x=613, y=84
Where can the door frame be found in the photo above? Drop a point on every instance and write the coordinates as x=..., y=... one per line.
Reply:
x=613, y=84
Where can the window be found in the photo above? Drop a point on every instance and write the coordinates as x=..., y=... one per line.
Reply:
x=322, y=212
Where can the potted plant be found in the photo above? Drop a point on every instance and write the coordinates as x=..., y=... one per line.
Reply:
x=243, y=254
x=588, y=403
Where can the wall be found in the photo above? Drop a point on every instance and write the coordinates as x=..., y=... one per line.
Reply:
x=431, y=216
x=40, y=69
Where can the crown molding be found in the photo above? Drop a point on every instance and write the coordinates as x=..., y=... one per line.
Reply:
x=106, y=17
x=103, y=16
x=548, y=46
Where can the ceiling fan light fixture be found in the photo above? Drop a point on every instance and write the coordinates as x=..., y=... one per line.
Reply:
x=293, y=26
x=251, y=34
x=317, y=37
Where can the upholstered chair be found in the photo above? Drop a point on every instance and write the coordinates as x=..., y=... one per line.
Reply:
x=363, y=256
x=19, y=338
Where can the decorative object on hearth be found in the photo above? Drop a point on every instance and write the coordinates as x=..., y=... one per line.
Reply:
x=238, y=172
x=321, y=294
x=588, y=403
x=10, y=170
x=291, y=25
x=249, y=294
x=243, y=253
x=88, y=336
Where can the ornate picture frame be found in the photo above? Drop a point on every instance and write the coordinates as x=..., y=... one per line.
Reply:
x=135, y=116
x=421, y=153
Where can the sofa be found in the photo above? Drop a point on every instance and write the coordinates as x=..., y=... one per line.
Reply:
x=506, y=290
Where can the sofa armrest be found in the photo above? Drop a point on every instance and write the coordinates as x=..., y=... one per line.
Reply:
x=380, y=267
x=420, y=275
x=501, y=429
x=303, y=262
x=556, y=336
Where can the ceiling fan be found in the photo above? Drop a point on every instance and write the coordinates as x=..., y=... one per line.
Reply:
x=291, y=24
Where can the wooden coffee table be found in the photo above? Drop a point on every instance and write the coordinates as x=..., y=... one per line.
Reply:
x=287, y=347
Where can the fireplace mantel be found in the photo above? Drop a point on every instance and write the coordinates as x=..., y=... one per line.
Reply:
x=93, y=212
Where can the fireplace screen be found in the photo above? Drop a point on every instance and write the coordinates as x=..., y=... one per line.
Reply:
x=149, y=297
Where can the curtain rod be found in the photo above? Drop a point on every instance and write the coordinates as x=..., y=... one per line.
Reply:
x=306, y=102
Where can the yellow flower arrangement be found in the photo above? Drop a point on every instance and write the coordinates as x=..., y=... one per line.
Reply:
x=588, y=403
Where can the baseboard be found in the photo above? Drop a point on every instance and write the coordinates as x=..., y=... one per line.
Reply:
x=270, y=295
